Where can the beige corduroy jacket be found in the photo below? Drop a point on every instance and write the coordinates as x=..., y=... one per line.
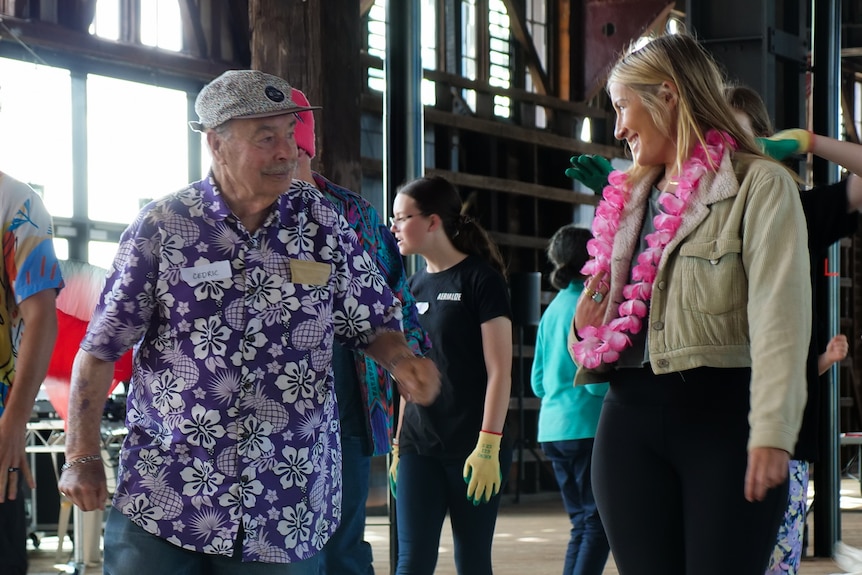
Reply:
x=732, y=289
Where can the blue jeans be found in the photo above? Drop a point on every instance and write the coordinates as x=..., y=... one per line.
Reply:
x=588, y=545
x=347, y=553
x=427, y=489
x=129, y=550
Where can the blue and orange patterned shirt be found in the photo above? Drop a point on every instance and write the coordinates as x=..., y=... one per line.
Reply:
x=231, y=412
x=29, y=266
x=378, y=241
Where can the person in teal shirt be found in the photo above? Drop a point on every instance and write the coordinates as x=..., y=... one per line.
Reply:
x=569, y=415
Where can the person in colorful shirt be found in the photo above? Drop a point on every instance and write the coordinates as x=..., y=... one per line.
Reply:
x=232, y=291
x=30, y=280
x=362, y=386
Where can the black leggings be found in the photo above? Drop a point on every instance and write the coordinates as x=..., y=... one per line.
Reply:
x=669, y=471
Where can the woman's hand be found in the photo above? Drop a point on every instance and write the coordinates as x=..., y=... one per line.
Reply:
x=593, y=302
x=767, y=468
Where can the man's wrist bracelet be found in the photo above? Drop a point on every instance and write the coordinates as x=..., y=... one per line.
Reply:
x=398, y=359
x=79, y=461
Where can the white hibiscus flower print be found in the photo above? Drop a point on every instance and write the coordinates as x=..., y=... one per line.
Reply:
x=354, y=318
x=172, y=249
x=262, y=289
x=203, y=428
x=254, y=439
x=369, y=273
x=149, y=461
x=296, y=526
x=297, y=380
x=142, y=513
x=294, y=468
x=201, y=478
x=166, y=390
x=210, y=337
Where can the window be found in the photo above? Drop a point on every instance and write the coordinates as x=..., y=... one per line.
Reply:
x=537, y=26
x=428, y=41
x=36, y=124
x=469, y=52
x=161, y=24
x=138, y=146
x=500, y=74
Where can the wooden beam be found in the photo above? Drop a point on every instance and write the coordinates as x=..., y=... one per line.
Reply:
x=240, y=27
x=518, y=27
x=295, y=41
x=373, y=103
x=548, y=101
x=59, y=42
x=372, y=167
x=193, y=31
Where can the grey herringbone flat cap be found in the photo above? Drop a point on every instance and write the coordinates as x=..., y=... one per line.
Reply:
x=243, y=94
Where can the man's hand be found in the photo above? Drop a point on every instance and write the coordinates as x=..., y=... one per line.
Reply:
x=85, y=484
x=592, y=171
x=767, y=468
x=418, y=379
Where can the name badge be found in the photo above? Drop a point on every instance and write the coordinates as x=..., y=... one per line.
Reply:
x=206, y=273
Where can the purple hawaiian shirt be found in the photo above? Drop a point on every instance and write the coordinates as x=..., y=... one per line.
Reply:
x=231, y=411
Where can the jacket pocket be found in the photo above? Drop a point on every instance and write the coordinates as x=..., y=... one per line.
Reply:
x=713, y=279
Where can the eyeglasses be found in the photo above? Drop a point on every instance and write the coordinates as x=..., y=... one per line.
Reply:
x=399, y=221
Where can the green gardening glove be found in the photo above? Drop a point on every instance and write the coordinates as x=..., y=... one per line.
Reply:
x=393, y=470
x=786, y=143
x=592, y=171
x=482, y=468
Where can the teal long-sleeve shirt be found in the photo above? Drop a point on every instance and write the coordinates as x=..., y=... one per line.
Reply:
x=567, y=412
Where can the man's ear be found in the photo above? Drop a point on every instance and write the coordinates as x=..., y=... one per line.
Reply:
x=216, y=143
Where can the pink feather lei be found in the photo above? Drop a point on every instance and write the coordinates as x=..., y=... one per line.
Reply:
x=603, y=344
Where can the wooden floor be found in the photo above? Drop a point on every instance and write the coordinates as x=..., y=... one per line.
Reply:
x=530, y=539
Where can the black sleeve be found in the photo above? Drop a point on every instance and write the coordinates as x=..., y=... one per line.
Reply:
x=825, y=210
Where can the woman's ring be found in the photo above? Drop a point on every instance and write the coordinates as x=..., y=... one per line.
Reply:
x=597, y=297
x=13, y=469
x=589, y=292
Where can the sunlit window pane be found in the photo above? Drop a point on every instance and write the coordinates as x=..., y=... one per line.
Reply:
x=36, y=124
x=101, y=253
x=61, y=248
x=106, y=23
x=161, y=24
x=138, y=146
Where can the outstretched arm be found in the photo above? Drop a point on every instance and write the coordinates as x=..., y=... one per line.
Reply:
x=848, y=155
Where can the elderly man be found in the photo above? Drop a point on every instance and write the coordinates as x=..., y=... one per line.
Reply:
x=232, y=291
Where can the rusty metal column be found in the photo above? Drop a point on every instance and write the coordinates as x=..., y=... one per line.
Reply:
x=403, y=138
x=826, y=46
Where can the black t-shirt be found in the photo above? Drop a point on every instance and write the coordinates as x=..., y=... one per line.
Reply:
x=825, y=210
x=452, y=306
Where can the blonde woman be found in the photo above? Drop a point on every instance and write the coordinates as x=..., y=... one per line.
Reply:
x=699, y=251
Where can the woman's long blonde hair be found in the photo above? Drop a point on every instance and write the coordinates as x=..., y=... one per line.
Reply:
x=680, y=60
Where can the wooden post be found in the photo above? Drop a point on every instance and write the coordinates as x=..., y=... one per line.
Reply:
x=315, y=46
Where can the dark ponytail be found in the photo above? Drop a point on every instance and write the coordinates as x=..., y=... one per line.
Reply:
x=567, y=250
